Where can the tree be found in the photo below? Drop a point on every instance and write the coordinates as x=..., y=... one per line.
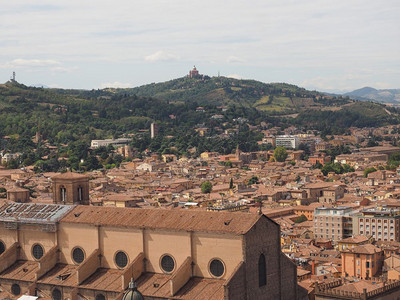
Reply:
x=253, y=180
x=12, y=164
x=394, y=156
x=372, y=143
x=92, y=163
x=301, y=219
x=228, y=164
x=280, y=154
x=369, y=170
x=305, y=148
x=231, y=184
x=206, y=187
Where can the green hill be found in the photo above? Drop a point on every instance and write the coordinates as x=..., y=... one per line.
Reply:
x=63, y=116
x=275, y=98
x=69, y=119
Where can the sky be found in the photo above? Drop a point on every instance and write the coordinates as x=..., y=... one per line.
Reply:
x=336, y=45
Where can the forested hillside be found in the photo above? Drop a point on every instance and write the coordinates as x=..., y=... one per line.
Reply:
x=69, y=119
x=277, y=98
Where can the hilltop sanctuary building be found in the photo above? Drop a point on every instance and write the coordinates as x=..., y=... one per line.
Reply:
x=55, y=251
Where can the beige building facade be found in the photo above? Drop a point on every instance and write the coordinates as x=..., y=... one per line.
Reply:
x=333, y=223
x=382, y=223
x=83, y=252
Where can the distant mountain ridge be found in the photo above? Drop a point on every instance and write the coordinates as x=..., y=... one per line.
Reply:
x=371, y=94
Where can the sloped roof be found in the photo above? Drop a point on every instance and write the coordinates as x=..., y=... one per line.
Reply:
x=17, y=189
x=364, y=249
x=355, y=239
x=202, y=221
x=69, y=175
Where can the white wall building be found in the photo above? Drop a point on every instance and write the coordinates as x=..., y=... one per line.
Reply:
x=104, y=143
x=287, y=141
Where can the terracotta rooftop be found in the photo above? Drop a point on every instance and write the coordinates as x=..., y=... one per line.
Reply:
x=61, y=274
x=69, y=175
x=157, y=285
x=203, y=221
x=21, y=270
x=321, y=184
x=104, y=280
x=365, y=249
x=359, y=286
x=302, y=272
x=355, y=239
x=17, y=189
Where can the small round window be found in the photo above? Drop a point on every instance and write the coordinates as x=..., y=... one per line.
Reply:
x=100, y=297
x=15, y=289
x=217, y=268
x=167, y=263
x=56, y=294
x=121, y=259
x=78, y=255
x=37, y=251
x=2, y=247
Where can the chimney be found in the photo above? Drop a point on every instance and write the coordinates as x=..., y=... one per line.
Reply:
x=313, y=267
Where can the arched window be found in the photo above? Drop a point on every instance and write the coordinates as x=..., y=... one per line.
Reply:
x=15, y=289
x=2, y=247
x=63, y=194
x=262, y=271
x=56, y=294
x=100, y=297
x=80, y=194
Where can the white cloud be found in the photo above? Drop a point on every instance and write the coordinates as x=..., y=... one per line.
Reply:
x=61, y=69
x=235, y=76
x=30, y=63
x=161, y=56
x=235, y=59
x=115, y=84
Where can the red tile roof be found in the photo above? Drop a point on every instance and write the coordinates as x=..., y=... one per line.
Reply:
x=203, y=221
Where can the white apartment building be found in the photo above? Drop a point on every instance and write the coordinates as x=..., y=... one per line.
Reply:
x=287, y=141
x=333, y=223
x=104, y=143
x=381, y=223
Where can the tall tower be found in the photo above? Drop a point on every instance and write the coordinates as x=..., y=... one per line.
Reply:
x=153, y=130
x=71, y=188
x=237, y=153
